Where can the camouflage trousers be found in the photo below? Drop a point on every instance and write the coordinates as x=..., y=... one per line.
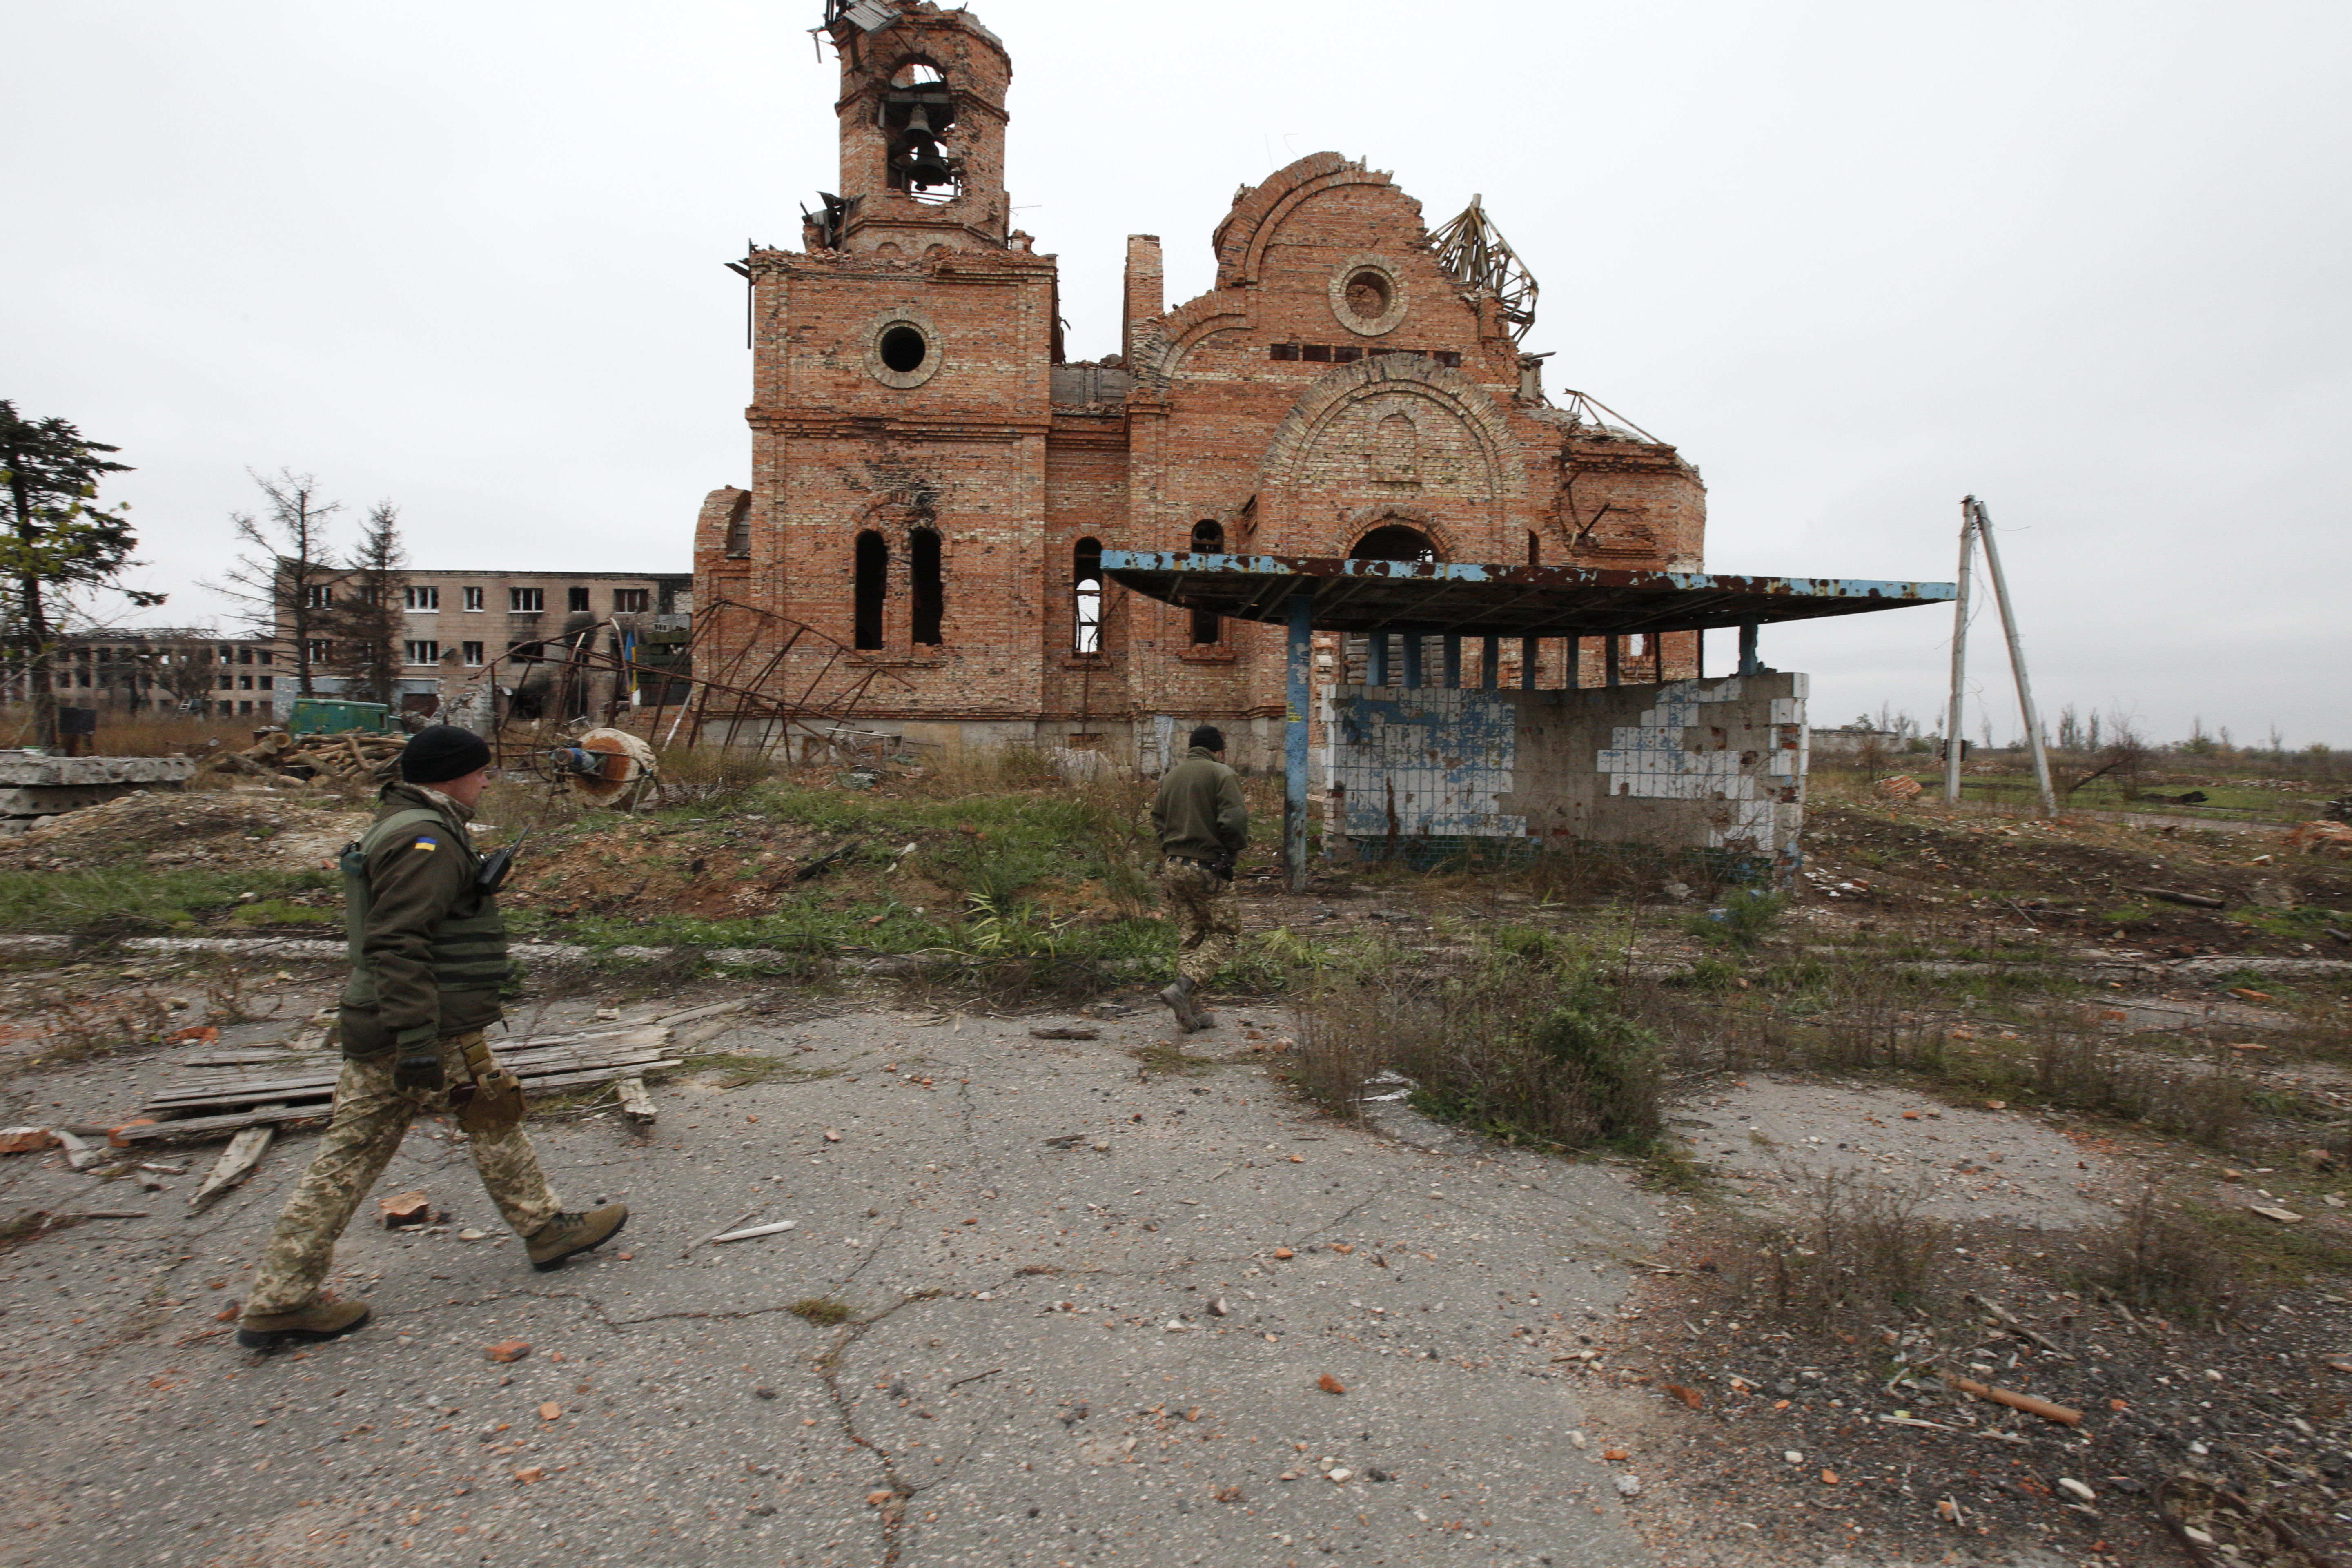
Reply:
x=370, y=1118
x=1208, y=919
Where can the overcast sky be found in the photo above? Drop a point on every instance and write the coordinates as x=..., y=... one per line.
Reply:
x=2087, y=261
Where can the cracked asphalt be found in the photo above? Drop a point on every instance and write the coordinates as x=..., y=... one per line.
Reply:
x=1070, y=1339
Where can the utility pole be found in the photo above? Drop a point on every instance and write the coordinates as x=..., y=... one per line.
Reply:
x=2016, y=659
x=1976, y=528
x=1953, y=742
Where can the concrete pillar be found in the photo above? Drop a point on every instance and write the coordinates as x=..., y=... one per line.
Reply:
x=1453, y=661
x=1376, y=659
x=1529, y=648
x=1615, y=656
x=1490, y=663
x=1301, y=671
x=1575, y=663
x=1412, y=661
x=1747, y=661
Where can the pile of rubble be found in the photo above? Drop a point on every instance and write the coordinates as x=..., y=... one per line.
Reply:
x=352, y=757
x=230, y=830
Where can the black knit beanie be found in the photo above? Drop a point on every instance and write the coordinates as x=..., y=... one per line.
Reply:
x=441, y=752
x=1209, y=736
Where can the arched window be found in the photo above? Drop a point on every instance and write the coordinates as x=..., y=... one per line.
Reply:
x=872, y=576
x=1086, y=585
x=1208, y=539
x=1394, y=541
x=927, y=603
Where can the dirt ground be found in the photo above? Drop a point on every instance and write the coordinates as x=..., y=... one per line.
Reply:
x=1755, y=1424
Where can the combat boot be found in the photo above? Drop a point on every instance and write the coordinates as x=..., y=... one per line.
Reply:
x=318, y=1320
x=566, y=1233
x=1190, y=1016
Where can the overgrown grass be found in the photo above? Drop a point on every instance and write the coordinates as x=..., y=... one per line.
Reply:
x=1860, y=1245
x=824, y=1311
x=136, y=902
x=2157, y=1258
x=1522, y=1042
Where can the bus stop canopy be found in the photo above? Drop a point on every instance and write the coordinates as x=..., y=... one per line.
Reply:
x=1464, y=599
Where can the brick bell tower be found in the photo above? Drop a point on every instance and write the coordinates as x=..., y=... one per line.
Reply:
x=922, y=131
x=901, y=365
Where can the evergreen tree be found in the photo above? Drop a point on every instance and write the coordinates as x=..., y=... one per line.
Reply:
x=55, y=541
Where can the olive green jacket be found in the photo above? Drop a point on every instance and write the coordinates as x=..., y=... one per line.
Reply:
x=1200, y=814
x=428, y=947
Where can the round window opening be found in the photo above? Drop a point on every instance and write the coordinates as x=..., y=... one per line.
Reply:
x=1369, y=295
x=903, y=348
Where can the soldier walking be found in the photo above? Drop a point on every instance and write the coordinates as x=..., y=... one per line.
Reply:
x=1204, y=826
x=428, y=952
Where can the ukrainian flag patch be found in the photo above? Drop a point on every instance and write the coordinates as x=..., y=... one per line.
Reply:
x=426, y=844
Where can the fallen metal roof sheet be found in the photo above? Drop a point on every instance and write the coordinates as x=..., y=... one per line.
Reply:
x=1472, y=600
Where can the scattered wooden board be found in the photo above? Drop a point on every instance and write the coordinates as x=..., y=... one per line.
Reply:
x=237, y=1163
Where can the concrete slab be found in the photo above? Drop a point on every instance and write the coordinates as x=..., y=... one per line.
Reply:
x=30, y=769
x=1034, y=1369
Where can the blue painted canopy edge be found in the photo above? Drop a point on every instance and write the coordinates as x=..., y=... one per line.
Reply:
x=1467, y=599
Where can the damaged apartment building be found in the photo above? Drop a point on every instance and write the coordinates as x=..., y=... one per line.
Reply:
x=933, y=483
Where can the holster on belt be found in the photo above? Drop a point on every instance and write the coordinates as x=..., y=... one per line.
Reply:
x=493, y=1102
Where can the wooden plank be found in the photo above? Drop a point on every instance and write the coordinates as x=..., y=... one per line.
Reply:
x=657, y=1035
x=237, y=1163
x=190, y=1096
x=635, y=1103
x=317, y=1110
x=201, y=1126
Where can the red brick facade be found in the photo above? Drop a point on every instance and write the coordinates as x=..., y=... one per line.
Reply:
x=911, y=410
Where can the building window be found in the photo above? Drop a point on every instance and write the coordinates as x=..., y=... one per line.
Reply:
x=473, y=598
x=927, y=603
x=1535, y=548
x=424, y=652
x=268, y=682
x=526, y=600
x=1086, y=583
x=1282, y=351
x=473, y=652
x=417, y=598
x=266, y=657
x=318, y=653
x=739, y=527
x=245, y=682
x=873, y=568
x=227, y=682
x=245, y=708
x=1208, y=539
x=322, y=595
x=632, y=601
x=576, y=600
x=244, y=656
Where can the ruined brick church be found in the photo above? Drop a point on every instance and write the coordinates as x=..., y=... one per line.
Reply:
x=933, y=483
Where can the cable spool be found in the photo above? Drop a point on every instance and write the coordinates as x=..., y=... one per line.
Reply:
x=603, y=765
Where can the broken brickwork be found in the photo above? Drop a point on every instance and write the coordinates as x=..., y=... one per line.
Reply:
x=931, y=478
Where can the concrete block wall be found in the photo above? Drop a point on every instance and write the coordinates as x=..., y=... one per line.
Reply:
x=1711, y=766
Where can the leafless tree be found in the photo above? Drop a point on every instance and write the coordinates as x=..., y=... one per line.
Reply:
x=287, y=581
